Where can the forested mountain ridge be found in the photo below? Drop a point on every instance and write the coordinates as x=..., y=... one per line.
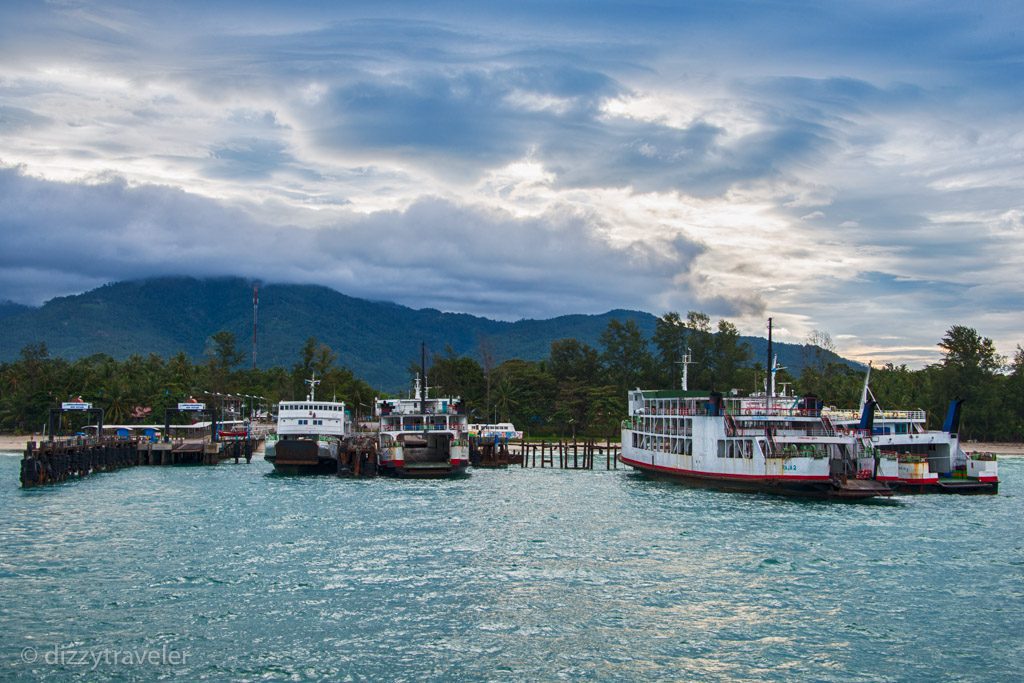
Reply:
x=376, y=340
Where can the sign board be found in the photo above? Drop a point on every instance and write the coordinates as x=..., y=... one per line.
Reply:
x=75, y=405
x=192, y=406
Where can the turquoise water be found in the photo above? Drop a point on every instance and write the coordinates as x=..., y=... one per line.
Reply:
x=504, y=575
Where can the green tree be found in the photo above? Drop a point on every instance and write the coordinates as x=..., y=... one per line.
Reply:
x=699, y=340
x=969, y=370
x=729, y=354
x=670, y=341
x=625, y=356
x=572, y=360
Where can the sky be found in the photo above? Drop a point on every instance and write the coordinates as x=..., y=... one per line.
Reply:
x=852, y=168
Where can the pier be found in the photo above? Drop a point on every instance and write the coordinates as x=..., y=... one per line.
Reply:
x=52, y=462
x=565, y=454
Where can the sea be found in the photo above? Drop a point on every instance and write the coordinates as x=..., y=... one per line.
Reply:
x=234, y=573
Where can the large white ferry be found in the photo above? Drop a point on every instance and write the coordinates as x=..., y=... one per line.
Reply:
x=422, y=436
x=770, y=443
x=923, y=460
x=308, y=436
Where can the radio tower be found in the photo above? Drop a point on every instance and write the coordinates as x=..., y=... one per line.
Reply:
x=255, y=316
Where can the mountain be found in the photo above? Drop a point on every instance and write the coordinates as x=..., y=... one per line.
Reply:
x=376, y=340
x=9, y=308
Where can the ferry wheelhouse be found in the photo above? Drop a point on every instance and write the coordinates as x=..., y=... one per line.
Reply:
x=918, y=459
x=422, y=436
x=308, y=435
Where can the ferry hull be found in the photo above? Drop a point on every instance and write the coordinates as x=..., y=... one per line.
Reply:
x=964, y=487
x=300, y=456
x=818, y=488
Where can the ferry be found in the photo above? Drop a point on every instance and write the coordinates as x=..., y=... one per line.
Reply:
x=422, y=436
x=309, y=435
x=770, y=443
x=918, y=459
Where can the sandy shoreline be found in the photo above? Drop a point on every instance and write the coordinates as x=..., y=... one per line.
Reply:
x=15, y=443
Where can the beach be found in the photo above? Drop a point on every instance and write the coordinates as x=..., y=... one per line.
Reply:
x=9, y=442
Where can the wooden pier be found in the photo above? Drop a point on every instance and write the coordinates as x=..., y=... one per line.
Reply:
x=566, y=455
x=51, y=462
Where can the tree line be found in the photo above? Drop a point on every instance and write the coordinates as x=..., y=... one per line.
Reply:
x=578, y=390
x=140, y=388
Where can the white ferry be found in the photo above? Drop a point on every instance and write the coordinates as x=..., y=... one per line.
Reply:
x=503, y=431
x=422, y=436
x=918, y=459
x=309, y=434
x=770, y=443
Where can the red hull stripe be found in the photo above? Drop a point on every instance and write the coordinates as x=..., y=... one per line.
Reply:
x=989, y=480
x=724, y=475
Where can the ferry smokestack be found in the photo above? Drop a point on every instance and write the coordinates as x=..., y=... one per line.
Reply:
x=867, y=417
x=952, y=423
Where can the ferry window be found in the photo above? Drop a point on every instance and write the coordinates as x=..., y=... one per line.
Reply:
x=721, y=449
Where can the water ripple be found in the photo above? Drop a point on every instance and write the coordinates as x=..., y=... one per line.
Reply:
x=506, y=575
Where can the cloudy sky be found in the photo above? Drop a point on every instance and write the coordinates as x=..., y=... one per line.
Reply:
x=855, y=168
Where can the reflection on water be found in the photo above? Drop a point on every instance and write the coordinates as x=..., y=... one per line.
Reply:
x=517, y=574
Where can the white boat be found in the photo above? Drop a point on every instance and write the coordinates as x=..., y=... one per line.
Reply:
x=308, y=435
x=769, y=443
x=503, y=431
x=422, y=436
x=917, y=459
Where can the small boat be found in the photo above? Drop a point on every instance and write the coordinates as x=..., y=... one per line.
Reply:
x=501, y=431
x=309, y=435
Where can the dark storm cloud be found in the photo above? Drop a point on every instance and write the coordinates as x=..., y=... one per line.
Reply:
x=434, y=253
x=474, y=118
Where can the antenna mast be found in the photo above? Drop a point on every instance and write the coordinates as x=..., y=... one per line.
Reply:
x=312, y=387
x=423, y=367
x=685, y=361
x=769, y=378
x=255, y=316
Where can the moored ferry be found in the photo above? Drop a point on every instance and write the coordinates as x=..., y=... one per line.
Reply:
x=768, y=443
x=772, y=444
x=925, y=460
x=308, y=435
x=422, y=436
